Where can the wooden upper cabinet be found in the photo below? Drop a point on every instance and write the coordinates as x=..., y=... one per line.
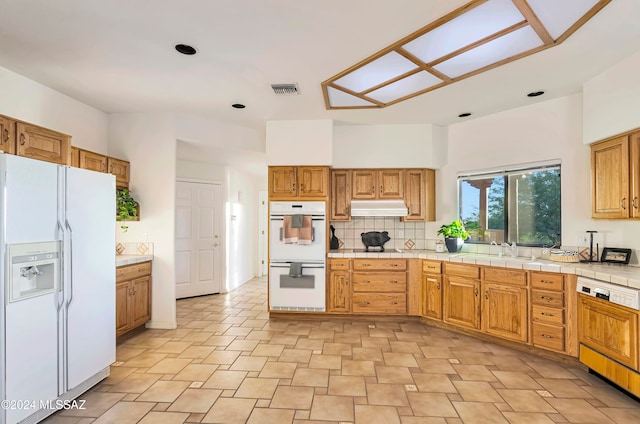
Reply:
x=313, y=181
x=634, y=176
x=377, y=184
x=43, y=144
x=92, y=161
x=119, y=168
x=75, y=157
x=612, y=177
x=420, y=195
x=340, y=195
x=301, y=181
x=7, y=135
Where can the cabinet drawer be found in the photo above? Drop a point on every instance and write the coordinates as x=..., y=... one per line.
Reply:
x=548, y=336
x=547, y=298
x=461, y=270
x=382, y=264
x=379, y=282
x=432, y=267
x=339, y=264
x=129, y=272
x=548, y=315
x=505, y=276
x=547, y=281
x=379, y=303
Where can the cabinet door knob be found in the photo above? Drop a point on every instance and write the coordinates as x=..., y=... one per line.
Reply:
x=623, y=203
x=380, y=189
x=373, y=189
x=438, y=286
x=6, y=134
x=293, y=187
x=301, y=187
x=23, y=139
x=475, y=292
x=635, y=201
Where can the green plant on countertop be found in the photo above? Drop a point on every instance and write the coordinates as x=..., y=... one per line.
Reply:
x=126, y=207
x=454, y=230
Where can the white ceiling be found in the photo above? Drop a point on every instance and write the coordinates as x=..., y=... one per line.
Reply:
x=118, y=56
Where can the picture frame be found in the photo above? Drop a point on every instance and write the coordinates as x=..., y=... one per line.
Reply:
x=614, y=255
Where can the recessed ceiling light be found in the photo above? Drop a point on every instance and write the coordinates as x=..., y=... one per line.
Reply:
x=238, y=106
x=186, y=49
x=536, y=93
x=464, y=115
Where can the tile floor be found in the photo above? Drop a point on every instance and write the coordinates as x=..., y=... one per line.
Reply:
x=227, y=363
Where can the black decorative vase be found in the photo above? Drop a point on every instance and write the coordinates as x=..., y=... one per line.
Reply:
x=454, y=244
x=334, y=243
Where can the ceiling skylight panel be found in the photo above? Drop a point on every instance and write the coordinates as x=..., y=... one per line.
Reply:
x=404, y=87
x=562, y=15
x=380, y=70
x=478, y=23
x=516, y=42
x=338, y=98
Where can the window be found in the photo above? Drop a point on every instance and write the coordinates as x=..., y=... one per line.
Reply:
x=514, y=205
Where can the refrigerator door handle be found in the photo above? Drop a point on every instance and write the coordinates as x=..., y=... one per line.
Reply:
x=70, y=231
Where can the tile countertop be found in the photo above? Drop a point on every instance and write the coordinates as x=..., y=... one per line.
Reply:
x=623, y=275
x=122, y=260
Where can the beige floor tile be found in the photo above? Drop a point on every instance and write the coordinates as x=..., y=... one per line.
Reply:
x=217, y=340
x=292, y=397
x=173, y=347
x=278, y=370
x=145, y=360
x=477, y=391
x=127, y=353
x=257, y=388
x=169, y=366
x=387, y=394
x=164, y=418
x=372, y=414
x=550, y=369
x=268, y=350
x=326, y=361
x=611, y=397
x=310, y=344
x=117, y=374
x=435, y=366
x=225, y=380
x=195, y=400
x=398, y=375
x=379, y=342
x=405, y=346
x=271, y=416
x=230, y=411
x=425, y=420
x=367, y=354
x=517, y=380
x=347, y=386
x=196, y=352
x=392, y=359
x=249, y=363
x=435, y=383
x=244, y=345
x=527, y=418
x=562, y=388
x=362, y=368
x=431, y=405
x=311, y=377
x=152, y=342
x=437, y=352
x=284, y=340
x=196, y=372
x=332, y=408
x=474, y=372
x=125, y=413
x=257, y=334
x=526, y=401
x=96, y=404
x=337, y=349
x=295, y=355
x=135, y=383
x=579, y=411
x=221, y=357
x=474, y=358
x=622, y=415
x=479, y=413
x=163, y=391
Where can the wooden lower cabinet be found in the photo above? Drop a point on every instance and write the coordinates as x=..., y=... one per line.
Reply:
x=339, y=297
x=504, y=311
x=462, y=301
x=379, y=303
x=432, y=296
x=133, y=296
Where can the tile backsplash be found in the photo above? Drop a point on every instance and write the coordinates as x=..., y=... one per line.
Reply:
x=134, y=248
x=404, y=235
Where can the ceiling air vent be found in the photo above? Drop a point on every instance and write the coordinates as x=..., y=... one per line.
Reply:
x=285, y=89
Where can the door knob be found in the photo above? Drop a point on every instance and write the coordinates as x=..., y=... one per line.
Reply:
x=215, y=244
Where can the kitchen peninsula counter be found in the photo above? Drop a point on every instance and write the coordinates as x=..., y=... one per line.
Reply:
x=122, y=260
x=623, y=275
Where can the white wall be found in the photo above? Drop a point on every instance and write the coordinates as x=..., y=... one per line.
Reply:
x=611, y=101
x=543, y=131
x=304, y=142
x=32, y=102
x=148, y=142
x=216, y=133
x=389, y=146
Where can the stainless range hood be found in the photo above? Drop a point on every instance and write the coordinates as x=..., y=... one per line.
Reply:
x=378, y=208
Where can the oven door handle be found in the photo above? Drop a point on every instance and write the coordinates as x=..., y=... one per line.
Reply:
x=288, y=265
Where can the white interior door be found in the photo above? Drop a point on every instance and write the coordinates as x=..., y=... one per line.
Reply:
x=198, y=239
x=263, y=240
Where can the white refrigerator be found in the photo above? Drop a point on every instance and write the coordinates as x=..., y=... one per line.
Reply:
x=57, y=244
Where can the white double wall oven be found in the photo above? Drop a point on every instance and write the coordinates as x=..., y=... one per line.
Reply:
x=290, y=290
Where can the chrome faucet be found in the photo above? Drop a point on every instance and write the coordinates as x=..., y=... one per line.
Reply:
x=513, y=247
x=493, y=243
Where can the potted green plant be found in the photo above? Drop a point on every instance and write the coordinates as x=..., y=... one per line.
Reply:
x=126, y=207
x=454, y=235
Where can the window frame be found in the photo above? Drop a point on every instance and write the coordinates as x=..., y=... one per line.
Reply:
x=509, y=200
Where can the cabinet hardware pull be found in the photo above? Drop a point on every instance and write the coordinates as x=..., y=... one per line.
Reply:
x=367, y=281
x=623, y=203
x=393, y=282
x=546, y=297
x=366, y=264
x=438, y=286
x=393, y=303
x=364, y=303
x=547, y=314
x=301, y=187
x=6, y=134
x=380, y=189
x=23, y=139
x=293, y=187
x=635, y=201
x=546, y=281
x=546, y=336
x=395, y=265
x=475, y=292
x=373, y=189
x=486, y=294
